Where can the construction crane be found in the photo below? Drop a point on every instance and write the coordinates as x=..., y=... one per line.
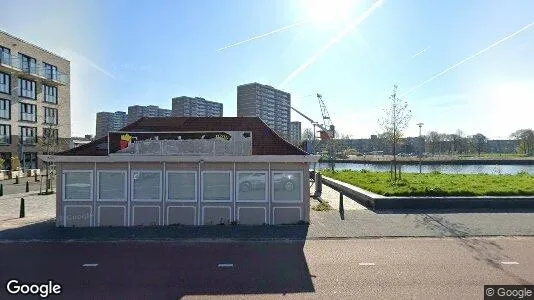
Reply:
x=326, y=128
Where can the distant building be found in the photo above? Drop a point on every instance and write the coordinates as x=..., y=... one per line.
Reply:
x=108, y=121
x=195, y=107
x=295, y=133
x=271, y=105
x=138, y=111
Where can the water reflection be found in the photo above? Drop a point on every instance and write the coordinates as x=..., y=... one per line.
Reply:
x=448, y=169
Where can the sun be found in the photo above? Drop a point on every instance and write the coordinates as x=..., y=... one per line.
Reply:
x=327, y=12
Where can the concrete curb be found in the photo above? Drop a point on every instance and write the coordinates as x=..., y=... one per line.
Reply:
x=258, y=240
x=379, y=202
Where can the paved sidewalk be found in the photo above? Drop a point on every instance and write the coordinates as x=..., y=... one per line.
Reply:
x=348, y=223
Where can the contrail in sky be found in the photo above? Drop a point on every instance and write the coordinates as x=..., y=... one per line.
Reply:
x=346, y=30
x=262, y=35
x=420, y=52
x=469, y=58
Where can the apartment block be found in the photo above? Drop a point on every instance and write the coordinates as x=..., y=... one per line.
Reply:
x=109, y=121
x=34, y=102
x=136, y=112
x=295, y=133
x=195, y=107
x=271, y=105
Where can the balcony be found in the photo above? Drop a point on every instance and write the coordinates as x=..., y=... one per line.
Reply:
x=5, y=140
x=32, y=70
x=29, y=140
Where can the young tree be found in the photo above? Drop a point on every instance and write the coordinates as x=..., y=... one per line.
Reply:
x=525, y=141
x=51, y=144
x=394, y=121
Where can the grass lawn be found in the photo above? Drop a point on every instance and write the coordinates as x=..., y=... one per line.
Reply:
x=436, y=184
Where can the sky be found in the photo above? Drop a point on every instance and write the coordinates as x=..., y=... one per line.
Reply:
x=458, y=64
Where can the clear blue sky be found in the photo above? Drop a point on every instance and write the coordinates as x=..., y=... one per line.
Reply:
x=146, y=52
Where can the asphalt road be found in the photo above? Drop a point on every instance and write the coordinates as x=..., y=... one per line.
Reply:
x=401, y=268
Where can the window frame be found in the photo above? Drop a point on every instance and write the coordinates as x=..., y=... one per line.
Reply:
x=132, y=186
x=34, y=111
x=63, y=187
x=24, y=82
x=8, y=108
x=46, y=115
x=301, y=190
x=167, y=173
x=231, y=199
x=46, y=96
x=34, y=130
x=8, y=76
x=266, y=198
x=125, y=191
x=8, y=128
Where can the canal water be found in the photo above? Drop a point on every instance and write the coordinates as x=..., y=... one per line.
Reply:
x=448, y=169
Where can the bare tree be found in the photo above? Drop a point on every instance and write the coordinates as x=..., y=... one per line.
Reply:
x=307, y=134
x=51, y=144
x=394, y=121
x=525, y=141
x=479, y=142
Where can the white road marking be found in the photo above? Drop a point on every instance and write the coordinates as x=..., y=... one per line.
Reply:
x=509, y=262
x=366, y=264
x=225, y=265
x=89, y=265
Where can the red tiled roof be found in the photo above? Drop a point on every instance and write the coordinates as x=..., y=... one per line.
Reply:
x=265, y=141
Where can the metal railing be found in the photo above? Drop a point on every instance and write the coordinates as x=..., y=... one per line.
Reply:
x=5, y=139
x=35, y=69
x=29, y=140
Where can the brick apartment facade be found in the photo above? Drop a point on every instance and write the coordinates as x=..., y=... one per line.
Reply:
x=34, y=102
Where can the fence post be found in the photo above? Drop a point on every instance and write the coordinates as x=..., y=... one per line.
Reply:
x=27, y=186
x=318, y=184
x=17, y=179
x=22, y=213
x=1, y=189
x=340, y=200
x=35, y=175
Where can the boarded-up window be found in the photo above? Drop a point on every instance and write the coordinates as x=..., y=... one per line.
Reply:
x=287, y=186
x=181, y=186
x=78, y=185
x=112, y=185
x=252, y=186
x=146, y=185
x=216, y=186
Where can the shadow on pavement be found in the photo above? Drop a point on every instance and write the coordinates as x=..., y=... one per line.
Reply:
x=47, y=231
x=450, y=211
x=164, y=269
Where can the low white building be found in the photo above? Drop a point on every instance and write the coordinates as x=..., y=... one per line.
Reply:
x=184, y=170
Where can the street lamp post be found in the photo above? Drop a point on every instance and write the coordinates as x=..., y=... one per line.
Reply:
x=421, y=146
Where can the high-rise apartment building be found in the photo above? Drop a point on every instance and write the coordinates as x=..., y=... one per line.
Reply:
x=34, y=102
x=138, y=111
x=271, y=105
x=108, y=121
x=195, y=107
x=295, y=132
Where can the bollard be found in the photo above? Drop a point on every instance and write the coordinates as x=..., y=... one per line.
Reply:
x=17, y=179
x=27, y=186
x=1, y=189
x=340, y=201
x=22, y=209
x=35, y=175
x=318, y=185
